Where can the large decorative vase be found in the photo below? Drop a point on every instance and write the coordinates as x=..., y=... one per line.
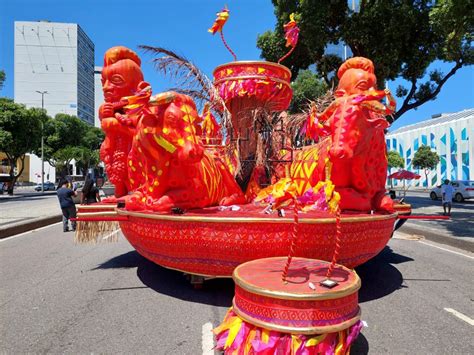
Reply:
x=246, y=86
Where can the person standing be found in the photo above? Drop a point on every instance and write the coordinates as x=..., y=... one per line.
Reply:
x=90, y=193
x=68, y=207
x=447, y=192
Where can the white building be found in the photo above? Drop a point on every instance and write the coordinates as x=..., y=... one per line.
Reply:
x=450, y=135
x=98, y=94
x=56, y=59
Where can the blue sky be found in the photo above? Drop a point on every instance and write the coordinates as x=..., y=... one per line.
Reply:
x=181, y=25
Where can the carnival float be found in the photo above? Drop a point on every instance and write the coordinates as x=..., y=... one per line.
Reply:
x=232, y=191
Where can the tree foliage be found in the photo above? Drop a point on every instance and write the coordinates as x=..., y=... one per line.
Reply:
x=402, y=38
x=20, y=133
x=2, y=78
x=395, y=160
x=307, y=86
x=425, y=159
x=69, y=138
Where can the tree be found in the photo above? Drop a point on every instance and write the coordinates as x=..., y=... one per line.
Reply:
x=394, y=161
x=2, y=78
x=20, y=133
x=69, y=138
x=425, y=159
x=402, y=38
x=307, y=86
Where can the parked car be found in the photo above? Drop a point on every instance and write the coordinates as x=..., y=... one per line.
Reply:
x=463, y=190
x=47, y=186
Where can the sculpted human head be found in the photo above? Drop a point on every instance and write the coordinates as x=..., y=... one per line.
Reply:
x=356, y=76
x=121, y=73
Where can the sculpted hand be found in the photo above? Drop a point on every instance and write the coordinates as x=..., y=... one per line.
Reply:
x=106, y=110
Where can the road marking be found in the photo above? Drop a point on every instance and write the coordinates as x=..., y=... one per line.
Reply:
x=460, y=316
x=31, y=231
x=207, y=339
x=111, y=234
x=448, y=250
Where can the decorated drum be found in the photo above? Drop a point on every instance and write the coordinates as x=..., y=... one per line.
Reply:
x=299, y=305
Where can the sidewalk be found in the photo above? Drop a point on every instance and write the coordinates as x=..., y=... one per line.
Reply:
x=20, y=194
x=23, y=212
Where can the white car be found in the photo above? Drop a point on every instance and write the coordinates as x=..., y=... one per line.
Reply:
x=463, y=190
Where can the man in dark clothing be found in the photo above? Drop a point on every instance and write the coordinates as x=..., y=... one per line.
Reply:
x=67, y=205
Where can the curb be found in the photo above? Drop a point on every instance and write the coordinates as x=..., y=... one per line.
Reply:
x=25, y=227
x=25, y=195
x=441, y=239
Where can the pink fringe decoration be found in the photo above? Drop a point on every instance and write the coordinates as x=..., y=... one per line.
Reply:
x=254, y=340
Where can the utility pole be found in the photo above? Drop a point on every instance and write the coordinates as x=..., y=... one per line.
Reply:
x=42, y=93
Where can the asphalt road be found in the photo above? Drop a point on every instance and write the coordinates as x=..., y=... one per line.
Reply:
x=57, y=297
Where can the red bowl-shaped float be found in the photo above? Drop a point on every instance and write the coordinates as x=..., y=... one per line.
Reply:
x=250, y=84
x=213, y=243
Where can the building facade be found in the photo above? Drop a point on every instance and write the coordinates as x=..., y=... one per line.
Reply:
x=53, y=67
x=56, y=58
x=98, y=94
x=450, y=135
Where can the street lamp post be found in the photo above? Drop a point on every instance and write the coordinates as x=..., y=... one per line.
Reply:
x=42, y=93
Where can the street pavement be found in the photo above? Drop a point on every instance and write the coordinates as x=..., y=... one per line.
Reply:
x=22, y=209
x=57, y=297
x=457, y=231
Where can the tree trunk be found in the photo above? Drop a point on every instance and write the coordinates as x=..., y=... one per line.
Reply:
x=426, y=175
x=13, y=177
x=11, y=184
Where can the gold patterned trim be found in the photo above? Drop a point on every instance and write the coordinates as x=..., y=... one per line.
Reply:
x=402, y=208
x=98, y=207
x=314, y=296
x=97, y=214
x=251, y=62
x=206, y=219
x=296, y=330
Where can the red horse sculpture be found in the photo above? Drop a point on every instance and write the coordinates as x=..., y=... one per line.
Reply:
x=176, y=170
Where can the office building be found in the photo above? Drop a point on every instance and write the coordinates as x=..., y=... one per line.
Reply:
x=57, y=58
x=450, y=135
x=98, y=94
x=54, y=67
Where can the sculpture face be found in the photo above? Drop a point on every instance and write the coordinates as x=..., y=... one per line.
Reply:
x=356, y=81
x=120, y=79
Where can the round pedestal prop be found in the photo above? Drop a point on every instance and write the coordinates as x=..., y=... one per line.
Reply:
x=297, y=317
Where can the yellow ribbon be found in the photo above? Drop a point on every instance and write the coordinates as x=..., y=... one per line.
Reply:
x=166, y=145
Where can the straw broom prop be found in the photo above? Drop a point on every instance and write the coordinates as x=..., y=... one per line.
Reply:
x=97, y=227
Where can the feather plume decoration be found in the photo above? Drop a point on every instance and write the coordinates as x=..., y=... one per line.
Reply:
x=190, y=80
